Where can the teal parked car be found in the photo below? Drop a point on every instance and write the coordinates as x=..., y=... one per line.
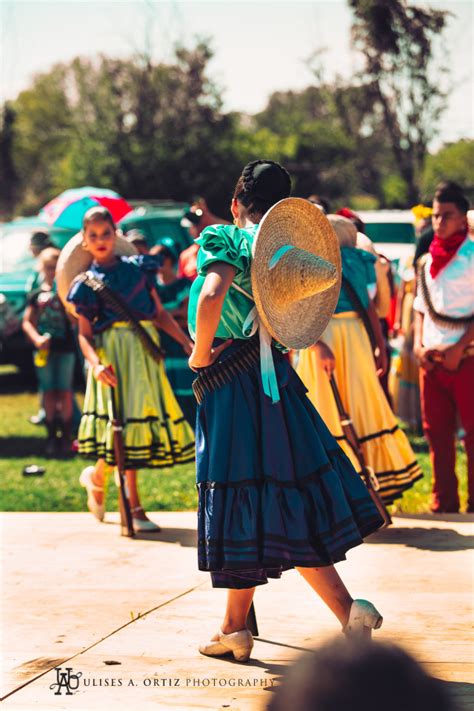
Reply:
x=157, y=220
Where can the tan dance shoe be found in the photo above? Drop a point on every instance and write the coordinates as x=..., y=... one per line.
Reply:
x=98, y=510
x=363, y=618
x=238, y=643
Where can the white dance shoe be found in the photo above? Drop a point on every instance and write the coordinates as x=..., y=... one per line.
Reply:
x=98, y=510
x=363, y=618
x=237, y=643
x=143, y=526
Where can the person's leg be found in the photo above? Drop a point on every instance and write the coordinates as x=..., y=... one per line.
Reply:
x=439, y=424
x=237, y=610
x=131, y=478
x=327, y=583
x=463, y=390
x=98, y=478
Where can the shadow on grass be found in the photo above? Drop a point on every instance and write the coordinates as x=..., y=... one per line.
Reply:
x=17, y=382
x=14, y=447
x=425, y=539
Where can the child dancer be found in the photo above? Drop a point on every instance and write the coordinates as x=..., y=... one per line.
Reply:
x=155, y=433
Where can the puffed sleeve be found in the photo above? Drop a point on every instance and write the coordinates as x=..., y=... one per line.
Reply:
x=85, y=300
x=223, y=243
x=148, y=264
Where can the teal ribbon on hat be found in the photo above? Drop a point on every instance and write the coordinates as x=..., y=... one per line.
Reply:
x=279, y=254
x=267, y=367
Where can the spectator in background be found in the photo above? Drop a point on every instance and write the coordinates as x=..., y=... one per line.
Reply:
x=139, y=241
x=353, y=217
x=195, y=220
x=174, y=294
x=320, y=202
x=47, y=325
x=38, y=241
x=444, y=344
x=357, y=675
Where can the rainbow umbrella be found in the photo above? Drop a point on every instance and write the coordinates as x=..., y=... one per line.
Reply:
x=67, y=209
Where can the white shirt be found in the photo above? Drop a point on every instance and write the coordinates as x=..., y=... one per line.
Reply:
x=452, y=294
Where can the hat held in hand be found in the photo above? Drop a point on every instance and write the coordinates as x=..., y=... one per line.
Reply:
x=296, y=272
x=74, y=260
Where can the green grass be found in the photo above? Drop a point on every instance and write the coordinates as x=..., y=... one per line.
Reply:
x=59, y=490
x=161, y=490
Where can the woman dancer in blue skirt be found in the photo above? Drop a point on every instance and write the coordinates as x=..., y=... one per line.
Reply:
x=275, y=490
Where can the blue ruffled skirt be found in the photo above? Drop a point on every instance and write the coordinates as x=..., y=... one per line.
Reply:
x=275, y=489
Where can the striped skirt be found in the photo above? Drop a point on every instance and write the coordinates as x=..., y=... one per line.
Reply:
x=385, y=447
x=155, y=433
x=275, y=489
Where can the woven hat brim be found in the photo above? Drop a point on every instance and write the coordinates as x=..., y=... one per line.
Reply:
x=74, y=260
x=296, y=222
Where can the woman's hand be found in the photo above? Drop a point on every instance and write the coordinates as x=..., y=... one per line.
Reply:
x=325, y=357
x=43, y=341
x=104, y=375
x=188, y=347
x=381, y=361
x=202, y=360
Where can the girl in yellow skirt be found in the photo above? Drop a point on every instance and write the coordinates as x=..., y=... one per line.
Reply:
x=155, y=433
x=345, y=348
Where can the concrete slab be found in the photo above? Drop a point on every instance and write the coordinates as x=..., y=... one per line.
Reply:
x=71, y=585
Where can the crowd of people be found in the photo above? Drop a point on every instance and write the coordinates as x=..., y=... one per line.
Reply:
x=429, y=309
x=251, y=353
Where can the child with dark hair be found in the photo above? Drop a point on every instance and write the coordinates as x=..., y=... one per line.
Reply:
x=155, y=433
x=46, y=324
x=356, y=675
x=444, y=344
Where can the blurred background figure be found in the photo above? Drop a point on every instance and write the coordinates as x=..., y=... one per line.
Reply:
x=39, y=241
x=320, y=202
x=352, y=347
x=356, y=675
x=444, y=344
x=196, y=219
x=174, y=294
x=47, y=325
x=139, y=241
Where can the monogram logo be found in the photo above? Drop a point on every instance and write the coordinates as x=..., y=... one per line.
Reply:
x=66, y=680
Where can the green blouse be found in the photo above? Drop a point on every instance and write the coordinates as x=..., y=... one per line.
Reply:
x=225, y=243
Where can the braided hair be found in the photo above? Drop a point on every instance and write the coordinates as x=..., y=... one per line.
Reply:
x=261, y=185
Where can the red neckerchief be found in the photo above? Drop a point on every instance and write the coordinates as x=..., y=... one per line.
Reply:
x=443, y=250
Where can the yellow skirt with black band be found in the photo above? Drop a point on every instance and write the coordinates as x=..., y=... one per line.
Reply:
x=384, y=446
x=155, y=433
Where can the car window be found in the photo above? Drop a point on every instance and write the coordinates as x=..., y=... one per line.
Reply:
x=14, y=251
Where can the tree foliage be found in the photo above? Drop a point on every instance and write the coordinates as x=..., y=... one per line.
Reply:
x=397, y=41
x=452, y=162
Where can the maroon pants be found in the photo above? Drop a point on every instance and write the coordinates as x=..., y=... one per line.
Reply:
x=445, y=395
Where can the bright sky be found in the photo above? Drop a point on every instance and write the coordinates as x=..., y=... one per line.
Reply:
x=260, y=45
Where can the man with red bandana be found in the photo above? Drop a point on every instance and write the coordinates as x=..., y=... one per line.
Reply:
x=444, y=344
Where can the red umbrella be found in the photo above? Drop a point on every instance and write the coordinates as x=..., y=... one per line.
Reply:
x=68, y=209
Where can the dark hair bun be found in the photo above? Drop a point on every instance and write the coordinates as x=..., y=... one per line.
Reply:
x=266, y=180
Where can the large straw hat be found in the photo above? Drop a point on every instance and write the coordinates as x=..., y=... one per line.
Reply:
x=296, y=272
x=74, y=259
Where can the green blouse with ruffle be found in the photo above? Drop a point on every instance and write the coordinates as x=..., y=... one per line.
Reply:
x=230, y=244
